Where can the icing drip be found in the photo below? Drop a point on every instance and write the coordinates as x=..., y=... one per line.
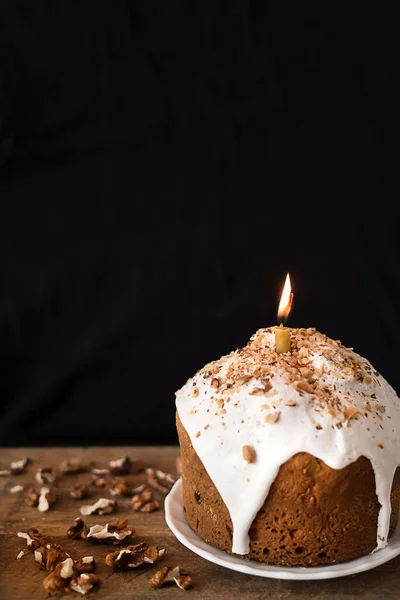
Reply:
x=323, y=399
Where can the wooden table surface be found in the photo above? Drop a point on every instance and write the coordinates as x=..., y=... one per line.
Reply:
x=22, y=579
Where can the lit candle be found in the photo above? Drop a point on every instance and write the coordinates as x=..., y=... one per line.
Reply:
x=282, y=334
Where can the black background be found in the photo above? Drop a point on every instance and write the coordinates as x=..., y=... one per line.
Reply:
x=163, y=165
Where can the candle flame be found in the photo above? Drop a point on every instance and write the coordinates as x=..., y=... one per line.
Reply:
x=285, y=303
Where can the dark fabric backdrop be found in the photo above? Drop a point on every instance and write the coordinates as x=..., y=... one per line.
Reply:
x=163, y=165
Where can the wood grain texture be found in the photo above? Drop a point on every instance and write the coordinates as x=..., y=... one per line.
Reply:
x=22, y=579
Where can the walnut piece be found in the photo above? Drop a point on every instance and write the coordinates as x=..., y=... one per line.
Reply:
x=86, y=564
x=103, y=506
x=50, y=555
x=119, y=487
x=32, y=498
x=59, y=579
x=115, y=532
x=125, y=466
x=16, y=489
x=134, y=556
x=159, y=480
x=171, y=574
x=84, y=583
x=249, y=454
x=144, y=501
x=78, y=530
x=45, y=475
x=101, y=478
x=48, y=497
x=72, y=466
x=18, y=466
x=79, y=491
x=33, y=537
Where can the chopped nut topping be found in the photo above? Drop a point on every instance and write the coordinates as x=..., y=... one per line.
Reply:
x=309, y=369
x=303, y=386
x=249, y=454
x=103, y=506
x=272, y=417
x=171, y=574
x=134, y=556
x=20, y=554
x=349, y=412
x=159, y=480
x=291, y=403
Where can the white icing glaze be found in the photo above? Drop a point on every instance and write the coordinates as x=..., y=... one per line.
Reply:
x=221, y=420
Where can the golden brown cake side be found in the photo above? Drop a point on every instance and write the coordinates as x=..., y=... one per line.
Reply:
x=313, y=514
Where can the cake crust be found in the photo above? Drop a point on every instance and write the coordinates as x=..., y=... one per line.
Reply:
x=313, y=514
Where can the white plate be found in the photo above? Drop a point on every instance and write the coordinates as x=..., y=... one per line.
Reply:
x=176, y=521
